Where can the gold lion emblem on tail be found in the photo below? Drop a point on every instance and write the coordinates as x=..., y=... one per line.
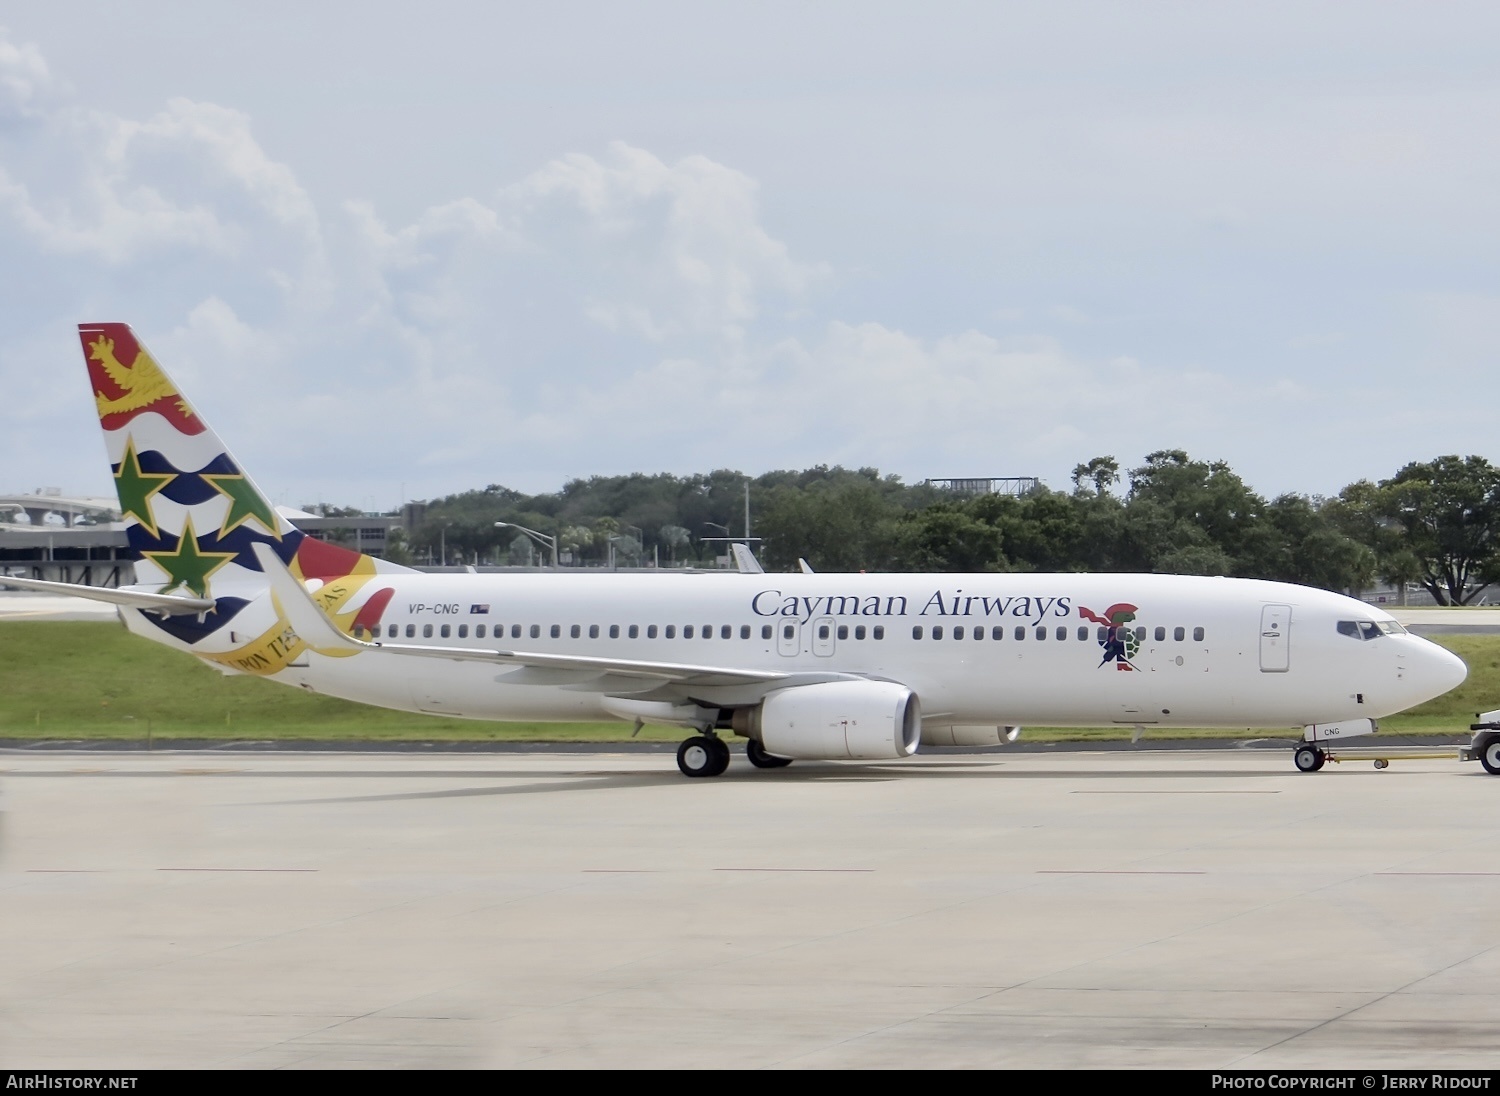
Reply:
x=143, y=383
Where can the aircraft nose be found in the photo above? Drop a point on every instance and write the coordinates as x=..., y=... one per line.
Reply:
x=1438, y=670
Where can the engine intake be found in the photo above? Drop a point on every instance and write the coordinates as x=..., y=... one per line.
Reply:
x=835, y=720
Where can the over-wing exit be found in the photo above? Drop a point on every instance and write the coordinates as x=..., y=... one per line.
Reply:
x=802, y=666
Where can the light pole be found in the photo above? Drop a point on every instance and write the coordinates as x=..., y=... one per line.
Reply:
x=543, y=539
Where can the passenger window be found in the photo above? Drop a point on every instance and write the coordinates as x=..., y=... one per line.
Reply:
x=859, y=631
x=574, y=632
x=878, y=631
x=1101, y=635
x=765, y=631
x=391, y=631
x=536, y=631
x=979, y=633
x=463, y=631
x=1083, y=633
x=958, y=632
x=515, y=631
x=479, y=632
x=788, y=631
x=1161, y=633
x=446, y=631
x=411, y=630
x=744, y=631
x=822, y=631
x=843, y=631
x=937, y=631
x=1061, y=632
x=997, y=632
x=359, y=631
x=614, y=631
x=671, y=632
x=1020, y=631
x=593, y=631
x=726, y=632
x=1197, y=635
x=1041, y=632
x=1179, y=634
x=650, y=631
x=427, y=631
x=687, y=631
x=916, y=631
x=708, y=631
x=555, y=631
x=1140, y=635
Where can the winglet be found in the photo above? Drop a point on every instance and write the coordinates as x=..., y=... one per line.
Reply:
x=302, y=613
x=744, y=560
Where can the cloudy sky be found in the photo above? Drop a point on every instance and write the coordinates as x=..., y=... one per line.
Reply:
x=396, y=250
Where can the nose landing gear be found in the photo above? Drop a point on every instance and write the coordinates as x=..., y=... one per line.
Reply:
x=1309, y=759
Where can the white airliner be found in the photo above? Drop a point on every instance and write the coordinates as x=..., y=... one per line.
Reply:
x=802, y=666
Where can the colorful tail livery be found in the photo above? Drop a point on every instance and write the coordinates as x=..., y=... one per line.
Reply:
x=193, y=515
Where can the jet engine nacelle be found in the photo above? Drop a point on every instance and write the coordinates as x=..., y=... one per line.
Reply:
x=836, y=720
x=965, y=735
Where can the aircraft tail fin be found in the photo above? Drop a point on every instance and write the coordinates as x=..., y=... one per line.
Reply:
x=193, y=515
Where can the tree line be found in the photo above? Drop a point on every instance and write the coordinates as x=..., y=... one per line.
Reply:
x=1434, y=523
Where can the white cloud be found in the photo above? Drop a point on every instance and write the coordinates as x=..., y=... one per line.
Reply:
x=24, y=77
x=622, y=311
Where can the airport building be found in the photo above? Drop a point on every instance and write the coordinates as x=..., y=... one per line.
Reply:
x=58, y=538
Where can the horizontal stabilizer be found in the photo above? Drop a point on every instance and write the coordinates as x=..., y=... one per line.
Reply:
x=169, y=604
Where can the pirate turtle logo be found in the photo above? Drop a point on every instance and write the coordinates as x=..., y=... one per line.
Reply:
x=1119, y=641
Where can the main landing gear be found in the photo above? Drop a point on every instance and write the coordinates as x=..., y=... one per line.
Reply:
x=762, y=760
x=703, y=755
x=708, y=755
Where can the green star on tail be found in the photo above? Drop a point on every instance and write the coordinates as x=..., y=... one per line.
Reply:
x=188, y=566
x=244, y=503
x=135, y=489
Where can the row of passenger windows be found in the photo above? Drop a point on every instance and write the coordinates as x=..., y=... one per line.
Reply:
x=727, y=631
x=633, y=631
x=1060, y=632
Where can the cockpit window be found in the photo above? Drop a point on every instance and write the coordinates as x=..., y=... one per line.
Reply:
x=1369, y=629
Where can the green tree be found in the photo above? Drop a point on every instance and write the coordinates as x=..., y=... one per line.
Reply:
x=1436, y=521
x=1102, y=472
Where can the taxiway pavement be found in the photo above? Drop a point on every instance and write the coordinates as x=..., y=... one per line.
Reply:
x=1182, y=908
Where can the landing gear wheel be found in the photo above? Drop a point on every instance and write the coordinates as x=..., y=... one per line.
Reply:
x=702, y=756
x=1489, y=756
x=1308, y=759
x=1381, y=762
x=762, y=760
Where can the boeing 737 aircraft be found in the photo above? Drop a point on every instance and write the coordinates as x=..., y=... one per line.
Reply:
x=827, y=666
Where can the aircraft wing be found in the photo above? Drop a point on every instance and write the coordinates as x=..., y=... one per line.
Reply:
x=663, y=672
x=170, y=604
